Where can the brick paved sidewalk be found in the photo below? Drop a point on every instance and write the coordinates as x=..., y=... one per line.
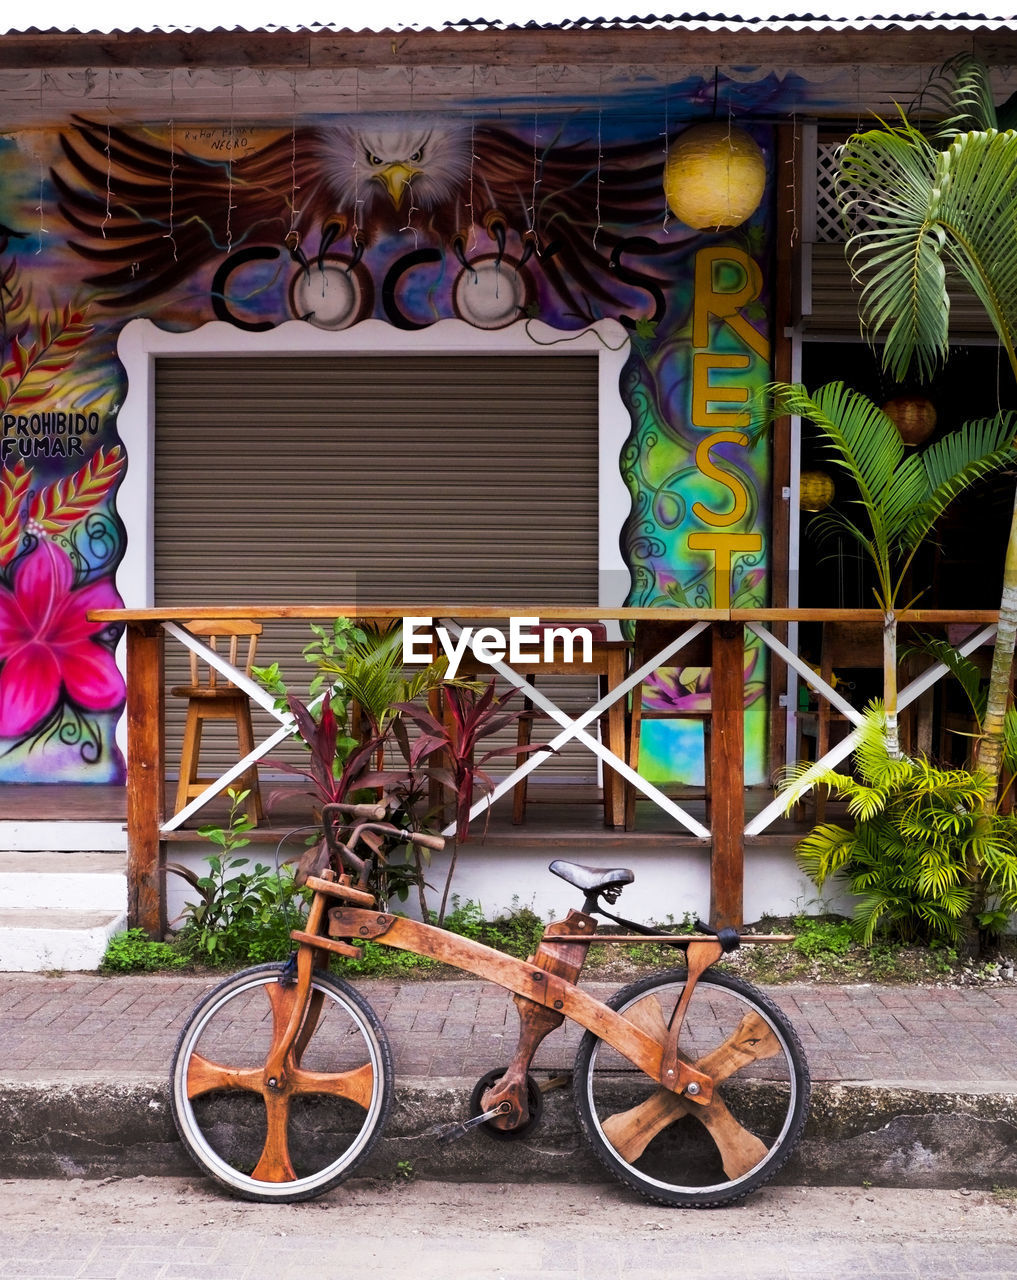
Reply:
x=75, y=1026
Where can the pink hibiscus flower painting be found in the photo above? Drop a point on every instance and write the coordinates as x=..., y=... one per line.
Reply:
x=48, y=648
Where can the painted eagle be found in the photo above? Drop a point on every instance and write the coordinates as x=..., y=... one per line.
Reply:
x=148, y=215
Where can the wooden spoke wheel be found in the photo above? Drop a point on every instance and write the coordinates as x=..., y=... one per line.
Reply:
x=670, y=1148
x=289, y=1138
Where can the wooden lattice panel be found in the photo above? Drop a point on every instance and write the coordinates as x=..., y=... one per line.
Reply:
x=831, y=225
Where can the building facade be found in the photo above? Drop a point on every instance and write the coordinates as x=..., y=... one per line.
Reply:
x=451, y=315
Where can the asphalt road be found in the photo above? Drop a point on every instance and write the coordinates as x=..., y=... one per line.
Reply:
x=182, y=1229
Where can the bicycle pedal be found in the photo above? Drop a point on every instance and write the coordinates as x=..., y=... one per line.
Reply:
x=460, y=1128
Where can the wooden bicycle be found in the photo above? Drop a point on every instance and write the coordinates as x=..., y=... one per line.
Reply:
x=690, y=1085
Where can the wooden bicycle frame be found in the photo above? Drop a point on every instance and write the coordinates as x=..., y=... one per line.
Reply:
x=543, y=986
x=545, y=994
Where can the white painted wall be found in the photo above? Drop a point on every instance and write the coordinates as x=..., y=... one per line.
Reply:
x=666, y=883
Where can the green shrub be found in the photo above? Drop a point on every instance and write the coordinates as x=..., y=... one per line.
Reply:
x=133, y=951
x=925, y=859
x=516, y=931
x=822, y=937
x=241, y=917
x=378, y=961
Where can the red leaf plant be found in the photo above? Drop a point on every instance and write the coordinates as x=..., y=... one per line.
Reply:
x=470, y=718
x=334, y=774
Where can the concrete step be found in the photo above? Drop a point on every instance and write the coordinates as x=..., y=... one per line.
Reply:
x=42, y=941
x=62, y=833
x=59, y=909
x=77, y=881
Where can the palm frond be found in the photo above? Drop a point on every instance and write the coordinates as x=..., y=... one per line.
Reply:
x=965, y=671
x=898, y=257
x=957, y=461
x=961, y=91
x=860, y=438
x=923, y=847
x=867, y=916
x=797, y=781
x=1001, y=862
x=923, y=207
x=867, y=803
x=939, y=881
x=857, y=433
x=875, y=767
x=908, y=493
x=827, y=524
x=825, y=851
x=978, y=212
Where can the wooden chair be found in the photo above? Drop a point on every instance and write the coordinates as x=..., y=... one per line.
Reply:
x=844, y=647
x=649, y=639
x=210, y=696
x=607, y=662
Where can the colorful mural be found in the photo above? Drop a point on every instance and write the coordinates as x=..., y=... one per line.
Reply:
x=408, y=219
x=60, y=689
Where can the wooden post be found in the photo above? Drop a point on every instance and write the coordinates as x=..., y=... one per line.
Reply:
x=727, y=867
x=146, y=904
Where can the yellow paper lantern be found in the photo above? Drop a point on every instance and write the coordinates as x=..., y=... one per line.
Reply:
x=714, y=177
x=815, y=490
x=913, y=416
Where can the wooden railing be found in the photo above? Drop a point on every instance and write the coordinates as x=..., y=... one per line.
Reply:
x=146, y=630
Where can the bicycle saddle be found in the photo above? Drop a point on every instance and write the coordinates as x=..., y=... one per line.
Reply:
x=591, y=879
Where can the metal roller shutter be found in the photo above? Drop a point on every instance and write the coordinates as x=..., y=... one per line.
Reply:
x=834, y=298
x=383, y=479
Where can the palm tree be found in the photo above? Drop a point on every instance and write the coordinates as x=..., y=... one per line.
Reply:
x=929, y=213
x=371, y=673
x=901, y=492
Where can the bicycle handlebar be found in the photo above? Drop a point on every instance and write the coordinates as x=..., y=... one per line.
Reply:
x=427, y=840
x=333, y=814
x=372, y=812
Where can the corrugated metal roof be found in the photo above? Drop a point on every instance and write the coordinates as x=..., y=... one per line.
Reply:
x=68, y=16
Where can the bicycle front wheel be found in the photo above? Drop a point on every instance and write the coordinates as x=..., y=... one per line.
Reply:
x=669, y=1148
x=271, y=1144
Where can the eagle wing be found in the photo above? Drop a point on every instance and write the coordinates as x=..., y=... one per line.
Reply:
x=148, y=215
x=594, y=214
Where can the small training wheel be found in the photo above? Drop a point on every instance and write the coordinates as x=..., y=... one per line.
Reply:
x=534, y=1102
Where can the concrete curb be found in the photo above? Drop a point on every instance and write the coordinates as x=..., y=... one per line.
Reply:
x=883, y=1135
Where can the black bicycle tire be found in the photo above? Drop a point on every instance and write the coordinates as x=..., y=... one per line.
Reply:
x=715, y=1195
x=187, y=1125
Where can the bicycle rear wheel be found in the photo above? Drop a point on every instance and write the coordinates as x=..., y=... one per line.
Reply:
x=669, y=1148
x=271, y=1145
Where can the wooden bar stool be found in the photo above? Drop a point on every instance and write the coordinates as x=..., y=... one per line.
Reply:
x=210, y=696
